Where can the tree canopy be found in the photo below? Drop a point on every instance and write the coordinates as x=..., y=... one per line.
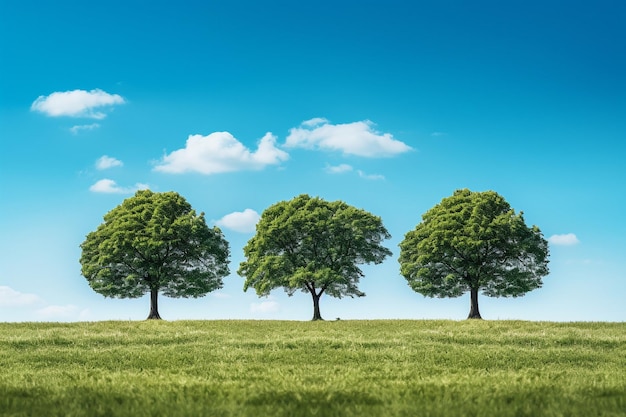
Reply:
x=314, y=246
x=473, y=241
x=151, y=243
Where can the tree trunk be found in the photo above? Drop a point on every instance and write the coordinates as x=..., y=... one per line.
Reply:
x=316, y=306
x=474, y=313
x=154, y=305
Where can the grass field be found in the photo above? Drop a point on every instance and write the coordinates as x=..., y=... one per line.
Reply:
x=342, y=368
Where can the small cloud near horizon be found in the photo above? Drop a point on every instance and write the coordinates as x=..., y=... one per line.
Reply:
x=265, y=307
x=65, y=312
x=13, y=298
x=108, y=186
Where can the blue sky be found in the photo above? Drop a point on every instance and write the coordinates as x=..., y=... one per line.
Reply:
x=387, y=105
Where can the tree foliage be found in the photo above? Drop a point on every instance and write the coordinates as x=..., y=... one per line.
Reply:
x=473, y=241
x=312, y=245
x=151, y=243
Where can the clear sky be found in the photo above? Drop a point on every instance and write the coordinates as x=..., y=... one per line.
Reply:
x=388, y=105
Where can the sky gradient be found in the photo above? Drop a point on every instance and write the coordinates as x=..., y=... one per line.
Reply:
x=389, y=106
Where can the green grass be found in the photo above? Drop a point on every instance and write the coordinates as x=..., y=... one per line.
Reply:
x=343, y=368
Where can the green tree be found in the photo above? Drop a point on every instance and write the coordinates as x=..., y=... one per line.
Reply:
x=151, y=243
x=473, y=241
x=312, y=245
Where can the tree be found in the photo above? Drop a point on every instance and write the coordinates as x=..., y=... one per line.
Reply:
x=312, y=245
x=151, y=243
x=473, y=241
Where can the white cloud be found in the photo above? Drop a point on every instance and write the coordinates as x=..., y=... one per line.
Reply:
x=221, y=152
x=357, y=138
x=567, y=239
x=221, y=295
x=342, y=168
x=265, y=307
x=338, y=169
x=67, y=312
x=106, y=162
x=12, y=298
x=437, y=134
x=314, y=122
x=78, y=128
x=370, y=176
x=76, y=103
x=110, y=187
x=57, y=311
x=240, y=221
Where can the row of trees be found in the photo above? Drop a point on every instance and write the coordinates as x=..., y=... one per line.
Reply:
x=470, y=242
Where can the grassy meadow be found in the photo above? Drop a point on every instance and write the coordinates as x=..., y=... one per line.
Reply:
x=339, y=368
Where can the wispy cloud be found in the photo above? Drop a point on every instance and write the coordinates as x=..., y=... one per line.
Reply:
x=314, y=122
x=220, y=152
x=437, y=134
x=76, y=129
x=12, y=298
x=63, y=312
x=221, y=295
x=370, y=176
x=567, y=239
x=76, y=103
x=338, y=169
x=343, y=168
x=265, y=307
x=106, y=162
x=357, y=138
x=110, y=187
x=240, y=221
